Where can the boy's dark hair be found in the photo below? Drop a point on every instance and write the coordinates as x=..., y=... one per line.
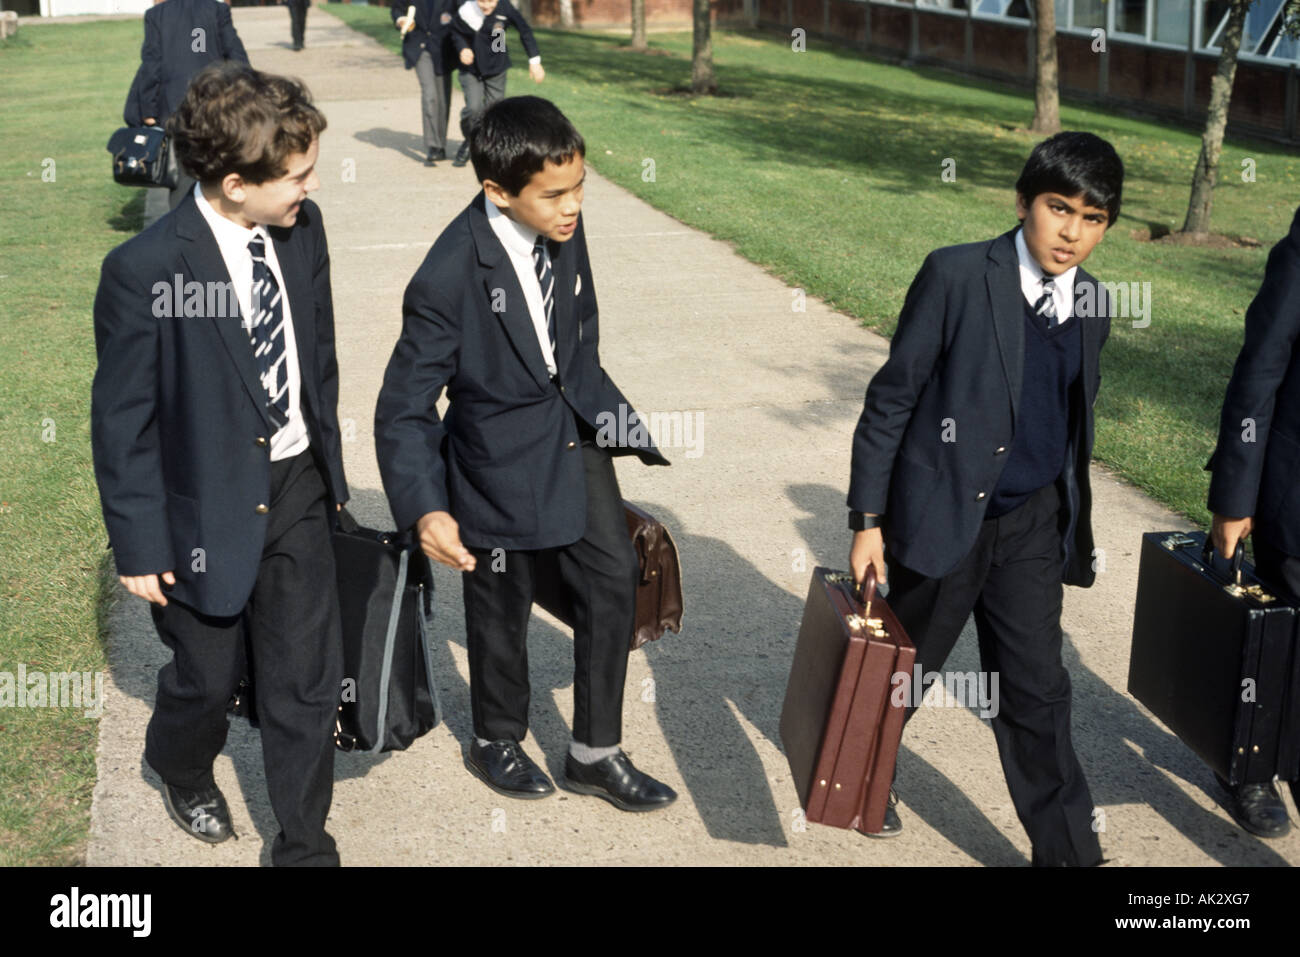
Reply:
x=235, y=119
x=1071, y=163
x=515, y=137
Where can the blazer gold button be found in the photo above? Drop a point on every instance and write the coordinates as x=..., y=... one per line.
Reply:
x=999, y=450
x=260, y=441
x=572, y=445
x=261, y=510
x=979, y=497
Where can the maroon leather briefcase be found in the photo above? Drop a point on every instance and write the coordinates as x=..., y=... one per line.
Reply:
x=844, y=704
x=659, y=602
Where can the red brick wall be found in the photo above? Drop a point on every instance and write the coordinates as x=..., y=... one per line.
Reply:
x=891, y=28
x=1077, y=63
x=943, y=38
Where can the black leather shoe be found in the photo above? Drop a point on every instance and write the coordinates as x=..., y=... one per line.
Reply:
x=438, y=154
x=893, y=825
x=503, y=766
x=1258, y=808
x=462, y=155
x=430, y=160
x=618, y=782
x=202, y=814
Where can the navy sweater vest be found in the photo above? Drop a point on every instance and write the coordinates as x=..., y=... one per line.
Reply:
x=1037, y=455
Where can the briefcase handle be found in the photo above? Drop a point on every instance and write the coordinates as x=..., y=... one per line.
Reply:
x=866, y=591
x=1238, y=556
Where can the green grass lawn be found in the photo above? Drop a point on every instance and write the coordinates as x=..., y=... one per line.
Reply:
x=60, y=213
x=825, y=168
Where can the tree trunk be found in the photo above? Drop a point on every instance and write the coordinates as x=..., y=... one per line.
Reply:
x=1047, y=96
x=566, y=14
x=638, y=25
x=1216, y=120
x=702, y=78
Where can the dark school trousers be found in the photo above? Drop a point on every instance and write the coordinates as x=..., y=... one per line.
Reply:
x=291, y=625
x=1011, y=580
x=298, y=22
x=601, y=572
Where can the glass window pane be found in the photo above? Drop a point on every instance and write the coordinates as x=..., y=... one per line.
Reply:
x=1258, y=19
x=1215, y=11
x=1173, y=19
x=1089, y=13
x=1062, y=11
x=1131, y=16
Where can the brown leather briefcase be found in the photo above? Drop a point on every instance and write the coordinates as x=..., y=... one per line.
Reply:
x=844, y=704
x=659, y=588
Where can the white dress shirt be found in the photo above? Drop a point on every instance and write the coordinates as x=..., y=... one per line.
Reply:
x=519, y=242
x=1031, y=281
x=233, y=239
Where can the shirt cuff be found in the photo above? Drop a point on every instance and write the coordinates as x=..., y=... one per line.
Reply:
x=534, y=60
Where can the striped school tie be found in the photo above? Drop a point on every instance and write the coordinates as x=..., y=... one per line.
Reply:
x=546, y=278
x=267, y=336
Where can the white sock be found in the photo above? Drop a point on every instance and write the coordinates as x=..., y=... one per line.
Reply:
x=585, y=754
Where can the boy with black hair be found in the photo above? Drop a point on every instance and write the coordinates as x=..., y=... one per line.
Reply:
x=479, y=35
x=970, y=461
x=502, y=313
x=215, y=434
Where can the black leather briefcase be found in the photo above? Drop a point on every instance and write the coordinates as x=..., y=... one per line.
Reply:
x=385, y=584
x=1214, y=658
x=142, y=156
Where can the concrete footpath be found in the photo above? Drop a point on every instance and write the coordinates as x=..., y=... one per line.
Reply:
x=686, y=326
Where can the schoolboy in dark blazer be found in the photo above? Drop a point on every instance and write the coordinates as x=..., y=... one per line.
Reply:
x=1253, y=488
x=479, y=35
x=216, y=445
x=181, y=37
x=502, y=314
x=970, y=466
x=427, y=49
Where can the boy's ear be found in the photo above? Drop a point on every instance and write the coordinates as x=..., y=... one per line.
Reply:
x=497, y=194
x=232, y=187
x=1022, y=207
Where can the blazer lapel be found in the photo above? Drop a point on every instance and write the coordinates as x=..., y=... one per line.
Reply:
x=1006, y=304
x=298, y=291
x=500, y=275
x=202, y=255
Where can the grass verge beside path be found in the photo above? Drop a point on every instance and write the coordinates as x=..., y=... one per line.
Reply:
x=60, y=213
x=826, y=169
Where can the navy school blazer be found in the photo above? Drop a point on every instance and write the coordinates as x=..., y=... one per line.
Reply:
x=506, y=461
x=179, y=430
x=958, y=354
x=1257, y=458
x=487, y=60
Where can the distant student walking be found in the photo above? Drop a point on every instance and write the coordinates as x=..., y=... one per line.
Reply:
x=181, y=37
x=479, y=35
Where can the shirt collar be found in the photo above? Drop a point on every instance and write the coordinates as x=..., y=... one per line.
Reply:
x=1030, y=269
x=228, y=233
x=518, y=238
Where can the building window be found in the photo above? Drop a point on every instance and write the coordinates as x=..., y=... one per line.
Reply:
x=1131, y=17
x=1089, y=13
x=1173, y=21
x=1213, y=17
